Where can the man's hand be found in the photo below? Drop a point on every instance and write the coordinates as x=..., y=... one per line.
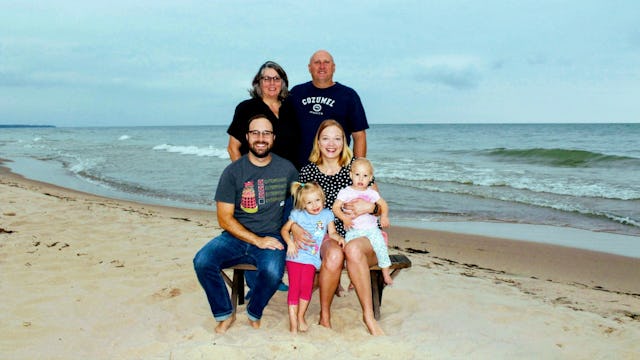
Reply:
x=269, y=242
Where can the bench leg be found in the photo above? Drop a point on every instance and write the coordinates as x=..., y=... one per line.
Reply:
x=237, y=288
x=377, y=285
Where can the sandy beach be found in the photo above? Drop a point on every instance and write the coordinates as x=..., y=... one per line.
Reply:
x=86, y=277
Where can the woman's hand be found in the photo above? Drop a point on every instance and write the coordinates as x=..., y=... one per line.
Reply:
x=301, y=237
x=357, y=207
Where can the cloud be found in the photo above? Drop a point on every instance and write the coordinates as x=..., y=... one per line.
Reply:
x=457, y=72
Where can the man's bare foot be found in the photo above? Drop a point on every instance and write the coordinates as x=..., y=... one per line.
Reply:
x=373, y=326
x=255, y=324
x=224, y=325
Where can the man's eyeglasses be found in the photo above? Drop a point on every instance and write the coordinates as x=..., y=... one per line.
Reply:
x=271, y=78
x=256, y=133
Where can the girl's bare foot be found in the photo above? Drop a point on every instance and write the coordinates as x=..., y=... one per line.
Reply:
x=293, y=319
x=302, y=325
x=224, y=325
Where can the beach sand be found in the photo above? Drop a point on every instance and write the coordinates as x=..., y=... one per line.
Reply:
x=85, y=277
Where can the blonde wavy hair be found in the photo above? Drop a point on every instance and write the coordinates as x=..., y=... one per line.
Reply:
x=345, y=154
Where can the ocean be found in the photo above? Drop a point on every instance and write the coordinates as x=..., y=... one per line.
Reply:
x=582, y=176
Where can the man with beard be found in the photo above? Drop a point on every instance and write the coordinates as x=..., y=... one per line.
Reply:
x=250, y=202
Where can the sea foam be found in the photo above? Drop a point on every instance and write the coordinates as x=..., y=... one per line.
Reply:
x=193, y=150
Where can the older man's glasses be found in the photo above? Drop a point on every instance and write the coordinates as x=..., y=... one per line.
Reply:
x=257, y=133
x=268, y=79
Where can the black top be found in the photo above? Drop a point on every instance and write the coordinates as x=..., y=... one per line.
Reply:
x=285, y=127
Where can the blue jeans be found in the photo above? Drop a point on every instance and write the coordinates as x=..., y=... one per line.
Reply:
x=225, y=250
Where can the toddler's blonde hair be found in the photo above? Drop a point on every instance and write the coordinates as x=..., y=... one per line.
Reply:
x=299, y=190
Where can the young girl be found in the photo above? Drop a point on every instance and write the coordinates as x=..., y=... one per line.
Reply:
x=365, y=225
x=310, y=214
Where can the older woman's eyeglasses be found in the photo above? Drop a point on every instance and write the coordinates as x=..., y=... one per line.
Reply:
x=267, y=79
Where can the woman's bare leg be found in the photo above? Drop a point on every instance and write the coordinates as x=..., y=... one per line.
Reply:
x=360, y=257
x=329, y=278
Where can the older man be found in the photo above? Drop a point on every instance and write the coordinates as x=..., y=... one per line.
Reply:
x=250, y=201
x=321, y=99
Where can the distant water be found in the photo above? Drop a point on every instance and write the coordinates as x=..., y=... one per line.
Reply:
x=577, y=175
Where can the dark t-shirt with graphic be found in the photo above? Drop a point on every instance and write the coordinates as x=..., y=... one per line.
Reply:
x=313, y=106
x=258, y=193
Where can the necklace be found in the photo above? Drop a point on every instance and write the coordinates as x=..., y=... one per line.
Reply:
x=330, y=169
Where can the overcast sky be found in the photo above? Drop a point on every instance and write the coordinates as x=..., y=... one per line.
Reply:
x=103, y=63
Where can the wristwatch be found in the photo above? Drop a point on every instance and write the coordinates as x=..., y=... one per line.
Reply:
x=375, y=209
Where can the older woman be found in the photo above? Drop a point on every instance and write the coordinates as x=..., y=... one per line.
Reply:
x=269, y=96
x=330, y=161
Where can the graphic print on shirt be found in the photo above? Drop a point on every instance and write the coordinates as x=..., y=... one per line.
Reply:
x=261, y=192
x=318, y=234
x=317, y=102
x=248, y=202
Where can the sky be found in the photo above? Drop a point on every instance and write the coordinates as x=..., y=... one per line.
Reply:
x=148, y=63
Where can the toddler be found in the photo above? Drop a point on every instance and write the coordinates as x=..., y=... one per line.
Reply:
x=365, y=225
x=310, y=214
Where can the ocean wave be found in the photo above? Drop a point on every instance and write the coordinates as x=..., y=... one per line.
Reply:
x=457, y=180
x=559, y=157
x=624, y=215
x=124, y=137
x=194, y=150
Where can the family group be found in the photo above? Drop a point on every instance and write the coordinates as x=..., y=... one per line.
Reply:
x=296, y=196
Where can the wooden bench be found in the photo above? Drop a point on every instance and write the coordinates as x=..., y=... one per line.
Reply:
x=398, y=262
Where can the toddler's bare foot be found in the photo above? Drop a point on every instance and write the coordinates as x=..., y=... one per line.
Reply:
x=224, y=325
x=293, y=319
x=388, y=279
x=386, y=276
x=302, y=325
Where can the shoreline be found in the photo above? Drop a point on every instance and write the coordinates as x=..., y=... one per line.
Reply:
x=474, y=248
x=600, y=241
x=84, y=276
